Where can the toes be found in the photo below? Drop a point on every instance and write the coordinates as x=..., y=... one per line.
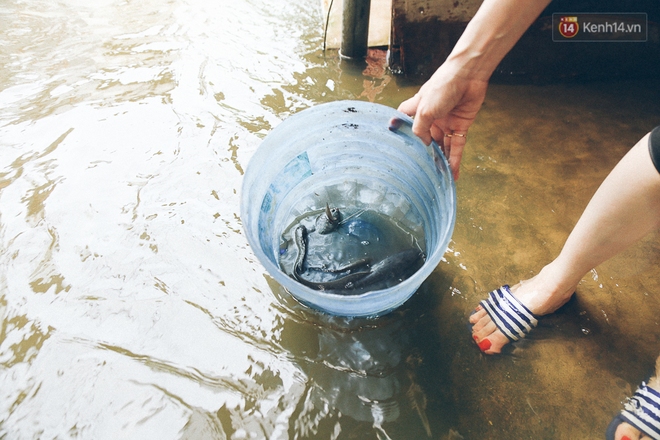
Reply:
x=486, y=334
x=493, y=343
x=477, y=315
x=484, y=328
x=484, y=344
x=628, y=432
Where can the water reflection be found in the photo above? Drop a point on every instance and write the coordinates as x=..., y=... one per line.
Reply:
x=132, y=307
x=365, y=374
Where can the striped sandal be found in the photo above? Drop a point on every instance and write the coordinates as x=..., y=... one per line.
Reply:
x=509, y=315
x=641, y=411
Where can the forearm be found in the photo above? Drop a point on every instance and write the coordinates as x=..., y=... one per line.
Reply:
x=490, y=35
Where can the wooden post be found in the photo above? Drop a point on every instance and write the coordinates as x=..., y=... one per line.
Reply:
x=355, y=28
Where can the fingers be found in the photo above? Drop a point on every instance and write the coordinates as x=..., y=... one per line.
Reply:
x=421, y=124
x=427, y=128
x=424, y=119
x=422, y=128
x=452, y=144
x=456, y=171
x=409, y=106
x=456, y=154
x=395, y=123
x=432, y=120
x=438, y=134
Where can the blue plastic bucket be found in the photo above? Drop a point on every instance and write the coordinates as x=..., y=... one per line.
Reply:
x=347, y=153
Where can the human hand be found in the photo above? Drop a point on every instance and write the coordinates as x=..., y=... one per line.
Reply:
x=444, y=108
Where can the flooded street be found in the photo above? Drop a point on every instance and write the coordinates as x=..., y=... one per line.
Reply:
x=132, y=306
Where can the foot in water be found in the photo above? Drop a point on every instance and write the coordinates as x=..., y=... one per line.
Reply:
x=628, y=432
x=639, y=418
x=541, y=295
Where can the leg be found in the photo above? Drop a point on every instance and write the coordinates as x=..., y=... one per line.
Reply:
x=624, y=209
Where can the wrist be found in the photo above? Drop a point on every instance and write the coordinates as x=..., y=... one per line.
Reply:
x=468, y=65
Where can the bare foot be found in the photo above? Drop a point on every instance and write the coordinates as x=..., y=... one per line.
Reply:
x=541, y=295
x=628, y=432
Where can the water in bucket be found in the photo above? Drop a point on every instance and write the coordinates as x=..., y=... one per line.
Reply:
x=345, y=155
x=349, y=252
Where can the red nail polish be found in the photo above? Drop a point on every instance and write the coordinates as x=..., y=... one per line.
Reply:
x=478, y=308
x=625, y=437
x=475, y=337
x=485, y=345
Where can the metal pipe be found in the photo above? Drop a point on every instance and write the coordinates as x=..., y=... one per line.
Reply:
x=355, y=28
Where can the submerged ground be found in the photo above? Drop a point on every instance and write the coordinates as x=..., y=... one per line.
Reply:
x=132, y=306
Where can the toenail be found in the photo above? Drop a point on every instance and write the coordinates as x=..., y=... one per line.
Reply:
x=625, y=437
x=478, y=308
x=485, y=345
x=475, y=337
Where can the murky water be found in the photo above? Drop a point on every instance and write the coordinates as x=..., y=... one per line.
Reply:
x=132, y=306
x=359, y=252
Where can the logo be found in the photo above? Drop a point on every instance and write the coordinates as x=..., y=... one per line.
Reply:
x=599, y=26
x=568, y=27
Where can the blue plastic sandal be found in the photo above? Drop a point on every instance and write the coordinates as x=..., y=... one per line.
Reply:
x=509, y=315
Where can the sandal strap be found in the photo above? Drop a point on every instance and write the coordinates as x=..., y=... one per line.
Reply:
x=643, y=411
x=509, y=315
